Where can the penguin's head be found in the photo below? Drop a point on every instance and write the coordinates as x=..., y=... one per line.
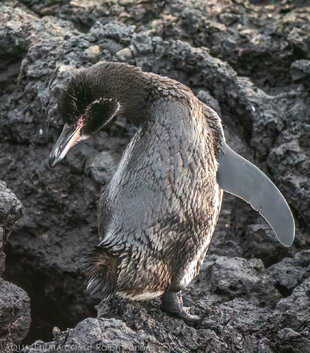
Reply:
x=84, y=112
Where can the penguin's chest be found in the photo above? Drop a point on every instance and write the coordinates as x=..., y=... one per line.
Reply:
x=165, y=179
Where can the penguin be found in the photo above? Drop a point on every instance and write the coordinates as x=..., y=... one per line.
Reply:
x=158, y=213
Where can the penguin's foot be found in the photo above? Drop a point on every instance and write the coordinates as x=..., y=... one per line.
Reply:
x=172, y=303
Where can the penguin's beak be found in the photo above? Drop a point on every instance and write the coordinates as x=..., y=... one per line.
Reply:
x=68, y=138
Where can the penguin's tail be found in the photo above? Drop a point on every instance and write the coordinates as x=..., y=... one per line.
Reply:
x=103, y=271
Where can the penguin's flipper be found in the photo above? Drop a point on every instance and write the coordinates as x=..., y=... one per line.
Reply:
x=241, y=178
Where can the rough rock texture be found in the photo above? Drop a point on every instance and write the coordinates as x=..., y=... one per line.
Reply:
x=10, y=211
x=14, y=315
x=14, y=302
x=249, y=61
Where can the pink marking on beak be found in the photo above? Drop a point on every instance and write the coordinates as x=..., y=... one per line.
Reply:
x=80, y=122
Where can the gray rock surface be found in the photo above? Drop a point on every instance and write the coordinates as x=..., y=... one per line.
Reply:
x=10, y=211
x=14, y=302
x=248, y=61
x=14, y=315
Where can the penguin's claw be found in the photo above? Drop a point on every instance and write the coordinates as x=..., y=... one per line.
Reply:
x=187, y=317
x=172, y=304
x=183, y=314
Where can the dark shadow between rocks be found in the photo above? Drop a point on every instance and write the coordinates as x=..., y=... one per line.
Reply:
x=47, y=311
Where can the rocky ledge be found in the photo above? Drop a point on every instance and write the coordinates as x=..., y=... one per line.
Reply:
x=249, y=61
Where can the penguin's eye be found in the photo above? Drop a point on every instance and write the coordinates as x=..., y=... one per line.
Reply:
x=98, y=114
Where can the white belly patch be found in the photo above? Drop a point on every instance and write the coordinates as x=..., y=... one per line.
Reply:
x=142, y=296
